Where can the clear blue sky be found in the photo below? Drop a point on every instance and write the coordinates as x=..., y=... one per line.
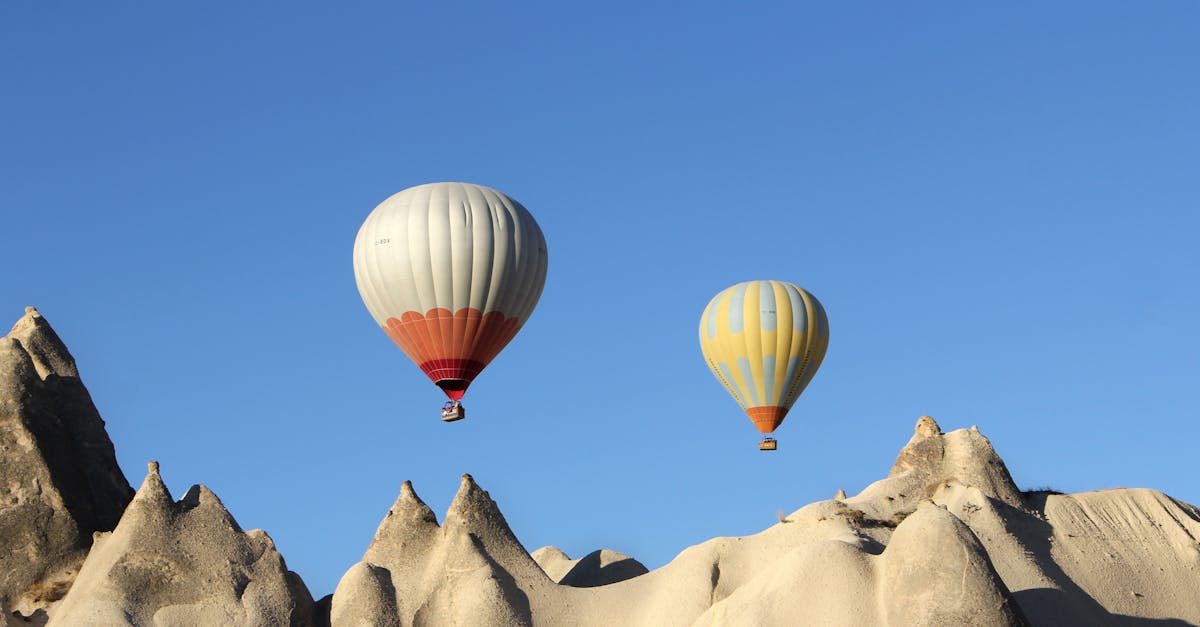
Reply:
x=997, y=205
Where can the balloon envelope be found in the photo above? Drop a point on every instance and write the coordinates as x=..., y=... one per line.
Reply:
x=450, y=271
x=764, y=341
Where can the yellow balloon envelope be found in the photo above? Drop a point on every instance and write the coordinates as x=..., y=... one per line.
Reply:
x=764, y=341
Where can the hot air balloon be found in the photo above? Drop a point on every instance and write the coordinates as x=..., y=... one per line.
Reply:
x=764, y=341
x=450, y=272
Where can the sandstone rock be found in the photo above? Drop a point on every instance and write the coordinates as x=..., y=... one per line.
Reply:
x=16, y=619
x=935, y=572
x=928, y=462
x=183, y=563
x=1123, y=553
x=474, y=571
x=553, y=561
x=598, y=568
x=927, y=427
x=464, y=572
x=946, y=538
x=405, y=537
x=366, y=597
x=59, y=479
x=602, y=567
x=473, y=513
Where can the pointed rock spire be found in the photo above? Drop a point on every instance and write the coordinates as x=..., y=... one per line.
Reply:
x=410, y=509
x=185, y=562
x=47, y=350
x=474, y=512
x=406, y=533
x=931, y=458
x=473, y=507
x=153, y=492
x=58, y=468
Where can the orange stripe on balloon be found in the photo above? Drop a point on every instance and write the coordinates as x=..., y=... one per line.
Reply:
x=495, y=332
x=457, y=325
x=401, y=336
x=440, y=341
x=471, y=318
x=407, y=334
x=767, y=418
x=446, y=332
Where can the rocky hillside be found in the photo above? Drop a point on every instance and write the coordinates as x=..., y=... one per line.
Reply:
x=945, y=539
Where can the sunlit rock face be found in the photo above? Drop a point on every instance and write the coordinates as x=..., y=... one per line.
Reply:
x=183, y=563
x=945, y=539
x=473, y=570
x=59, y=479
x=598, y=568
x=469, y=570
x=78, y=548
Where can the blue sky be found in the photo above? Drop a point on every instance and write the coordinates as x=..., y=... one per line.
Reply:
x=997, y=205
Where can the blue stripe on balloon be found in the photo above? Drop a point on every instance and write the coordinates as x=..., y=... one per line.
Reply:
x=767, y=316
x=733, y=387
x=748, y=377
x=807, y=378
x=769, y=380
x=710, y=322
x=799, y=313
x=790, y=377
x=737, y=308
x=822, y=319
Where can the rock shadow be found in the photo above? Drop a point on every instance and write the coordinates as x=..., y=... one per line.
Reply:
x=1071, y=605
x=591, y=571
x=1050, y=597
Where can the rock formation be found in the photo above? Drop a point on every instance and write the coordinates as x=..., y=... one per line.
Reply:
x=59, y=480
x=183, y=563
x=927, y=567
x=945, y=539
x=554, y=562
x=598, y=568
x=470, y=570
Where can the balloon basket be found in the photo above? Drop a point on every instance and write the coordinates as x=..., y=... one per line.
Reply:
x=768, y=444
x=453, y=411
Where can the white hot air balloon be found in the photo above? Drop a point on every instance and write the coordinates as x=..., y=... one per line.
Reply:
x=450, y=271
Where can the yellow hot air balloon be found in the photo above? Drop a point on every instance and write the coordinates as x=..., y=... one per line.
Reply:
x=764, y=341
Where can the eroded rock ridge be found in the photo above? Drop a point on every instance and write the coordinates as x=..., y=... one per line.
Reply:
x=946, y=538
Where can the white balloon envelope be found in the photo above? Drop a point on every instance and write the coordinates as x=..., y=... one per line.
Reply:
x=450, y=271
